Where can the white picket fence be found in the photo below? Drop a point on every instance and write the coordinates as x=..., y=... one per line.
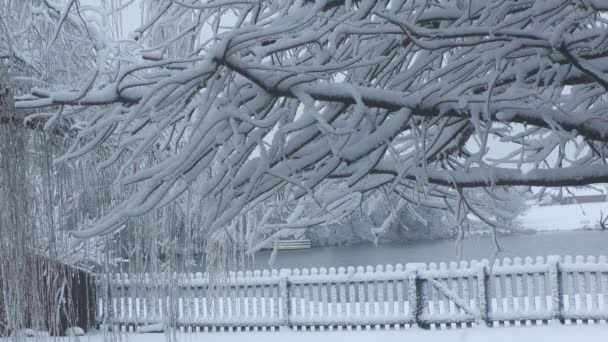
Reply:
x=517, y=291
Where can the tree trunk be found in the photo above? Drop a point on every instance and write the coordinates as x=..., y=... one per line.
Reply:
x=13, y=211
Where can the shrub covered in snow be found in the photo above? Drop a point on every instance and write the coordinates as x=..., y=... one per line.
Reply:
x=74, y=331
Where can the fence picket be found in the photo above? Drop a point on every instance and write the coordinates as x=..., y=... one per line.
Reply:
x=324, y=311
x=390, y=294
x=342, y=294
x=603, y=281
x=352, y=295
x=518, y=287
x=401, y=285
x=369, y=303
x=543, y=286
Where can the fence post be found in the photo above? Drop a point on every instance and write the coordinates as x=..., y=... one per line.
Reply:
x=414, y=295
x=285, y=301
x=483, y=291
x=556, y=288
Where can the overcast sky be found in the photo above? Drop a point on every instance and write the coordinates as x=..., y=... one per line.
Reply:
x=131, y=14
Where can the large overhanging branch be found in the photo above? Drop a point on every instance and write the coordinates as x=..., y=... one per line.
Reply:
x=413, y=97
x=477, y=177
x=590, y=126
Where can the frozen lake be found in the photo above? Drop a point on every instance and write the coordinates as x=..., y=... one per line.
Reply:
x=547, y=243
x=540, y=244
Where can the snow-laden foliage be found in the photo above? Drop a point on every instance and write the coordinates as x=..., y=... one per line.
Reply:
x=322, y=104
x=411, y=222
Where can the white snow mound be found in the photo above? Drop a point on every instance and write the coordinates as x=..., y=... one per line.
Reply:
x=151, y=328
x=74, y=331
x=564, y=217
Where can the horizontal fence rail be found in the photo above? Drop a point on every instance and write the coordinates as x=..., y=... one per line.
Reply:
x=510, y=292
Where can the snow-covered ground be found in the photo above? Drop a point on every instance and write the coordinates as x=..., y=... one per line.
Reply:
x=553, y=333
x=564, y=217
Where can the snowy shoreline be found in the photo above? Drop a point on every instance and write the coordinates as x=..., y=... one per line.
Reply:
x=551, y=332
x=564, y=217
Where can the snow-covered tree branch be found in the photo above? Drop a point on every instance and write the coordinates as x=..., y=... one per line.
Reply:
x=335, y=100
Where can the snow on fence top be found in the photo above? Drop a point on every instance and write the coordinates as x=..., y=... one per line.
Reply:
x=511, y=290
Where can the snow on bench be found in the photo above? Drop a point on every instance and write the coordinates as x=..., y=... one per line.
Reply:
x=290, y=244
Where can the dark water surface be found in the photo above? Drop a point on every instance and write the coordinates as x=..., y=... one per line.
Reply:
x=540, y=244
x=521, y=245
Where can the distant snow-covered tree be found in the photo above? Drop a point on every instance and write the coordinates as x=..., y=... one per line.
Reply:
x=327, y=103
x=506, y=205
